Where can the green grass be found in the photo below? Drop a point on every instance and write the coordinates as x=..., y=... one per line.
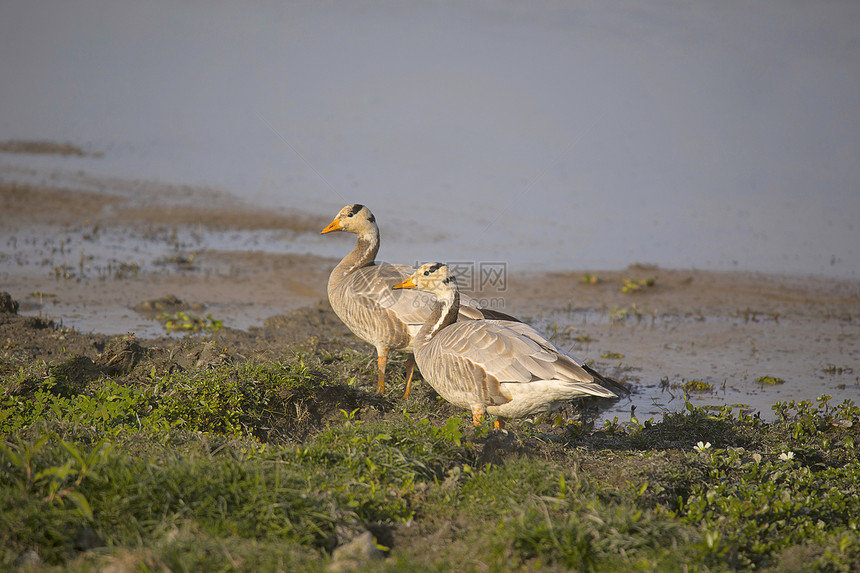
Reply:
x=271, y=466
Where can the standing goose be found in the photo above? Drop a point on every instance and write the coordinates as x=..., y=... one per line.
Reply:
x=492, y=366
x=360, y=292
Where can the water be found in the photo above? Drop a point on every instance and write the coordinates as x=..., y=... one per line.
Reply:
x=551, y=136
x=660, y=353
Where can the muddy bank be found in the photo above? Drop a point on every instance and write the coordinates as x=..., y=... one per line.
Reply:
x=87, y=258
x=90, y=259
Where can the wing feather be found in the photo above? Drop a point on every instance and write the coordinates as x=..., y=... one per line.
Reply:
x=507, y=352
x=458, y=378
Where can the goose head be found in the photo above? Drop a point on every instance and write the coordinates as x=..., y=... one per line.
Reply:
x=354, y=219
x=434, y=278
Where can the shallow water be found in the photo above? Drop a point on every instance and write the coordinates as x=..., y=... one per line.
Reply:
x=100, y=263
x=587, y=135
x=658, y=354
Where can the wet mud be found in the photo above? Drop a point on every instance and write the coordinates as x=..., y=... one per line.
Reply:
x=712, y=338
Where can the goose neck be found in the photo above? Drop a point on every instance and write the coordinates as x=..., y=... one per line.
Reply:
x=445, y=311
x=363, y=255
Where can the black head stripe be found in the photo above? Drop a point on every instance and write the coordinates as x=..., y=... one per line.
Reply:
x=355, y=209
x=450, y=279
x=372, y=219
x=434, y=267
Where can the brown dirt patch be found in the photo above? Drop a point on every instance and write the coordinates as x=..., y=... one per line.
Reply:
x=45, y=205
x=21, y=203
x=43, y=148
x=221, y=219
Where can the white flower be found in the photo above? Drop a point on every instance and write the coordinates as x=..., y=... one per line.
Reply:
x=702, y=446
x=786, y=456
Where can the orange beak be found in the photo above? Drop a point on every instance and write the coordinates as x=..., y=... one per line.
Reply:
x=408, y=283
x=333, y=226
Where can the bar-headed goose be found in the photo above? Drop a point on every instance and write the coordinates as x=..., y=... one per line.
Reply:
x=492, y=366
x=360, y=293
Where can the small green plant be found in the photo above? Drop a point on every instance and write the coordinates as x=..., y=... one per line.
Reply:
x=693, y=386
x=186, y=322
x=590, y=279
x=631, y=286
x=612, y=355
x=621, y=314
x=450, y=431
x=770, y=380
x=617, y=314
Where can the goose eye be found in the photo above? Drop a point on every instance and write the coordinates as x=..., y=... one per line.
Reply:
x=426, y=273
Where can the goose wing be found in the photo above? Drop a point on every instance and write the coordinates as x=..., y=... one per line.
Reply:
x=507, y=352
x=380, y=314
x=471, y=308
x=374, y=311
x=618, y=388
x=371, y=287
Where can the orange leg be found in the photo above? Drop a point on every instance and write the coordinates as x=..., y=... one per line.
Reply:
x=380, y=362
x=477, y=415
x=410, y=370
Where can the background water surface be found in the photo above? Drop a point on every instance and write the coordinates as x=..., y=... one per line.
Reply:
x=550, y=135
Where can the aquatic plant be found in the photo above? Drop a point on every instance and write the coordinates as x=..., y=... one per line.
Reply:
x=188, y=322
x=631, y=285
x=771, y=380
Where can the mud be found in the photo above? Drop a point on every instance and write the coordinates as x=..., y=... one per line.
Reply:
x=43, y=147
x=91, y=261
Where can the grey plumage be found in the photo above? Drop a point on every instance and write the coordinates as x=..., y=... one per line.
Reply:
x=361, y=294
x=497, y=366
